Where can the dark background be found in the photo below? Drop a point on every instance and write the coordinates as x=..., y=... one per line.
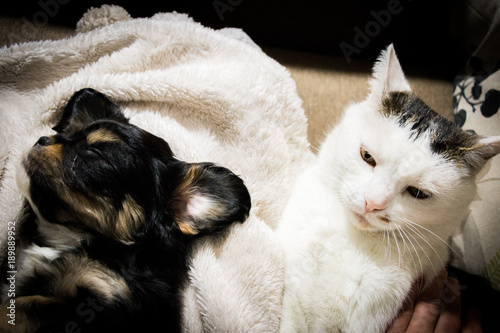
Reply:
x=420, y=32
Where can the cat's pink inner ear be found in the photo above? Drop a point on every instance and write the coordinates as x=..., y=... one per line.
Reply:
x=395, y=79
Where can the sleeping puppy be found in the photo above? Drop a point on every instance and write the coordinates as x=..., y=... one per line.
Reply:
x=113, y=216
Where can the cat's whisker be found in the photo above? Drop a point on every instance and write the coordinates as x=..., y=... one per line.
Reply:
x=389, y=247
x=315, y=148
x=419, y=234
x=401, y=237
x=399, y=250
x=409, y=234
x=432, y=248
x=385, y=244
x=434, y=234
x=404, y=236
x=390, y=244
x=387, y=240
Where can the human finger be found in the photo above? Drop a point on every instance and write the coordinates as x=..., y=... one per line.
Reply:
x=449, y=320
x=428, y=307
x=401, y=322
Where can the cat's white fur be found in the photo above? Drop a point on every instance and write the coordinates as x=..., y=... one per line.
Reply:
x=346, y=268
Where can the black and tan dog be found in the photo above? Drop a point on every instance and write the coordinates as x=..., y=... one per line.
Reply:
x=113, y=216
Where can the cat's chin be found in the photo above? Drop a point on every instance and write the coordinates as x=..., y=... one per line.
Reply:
x=362, y=223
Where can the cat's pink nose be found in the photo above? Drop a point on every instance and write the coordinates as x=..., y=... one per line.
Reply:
x=373, y=206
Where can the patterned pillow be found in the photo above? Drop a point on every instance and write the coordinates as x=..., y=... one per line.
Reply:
x=476, y=102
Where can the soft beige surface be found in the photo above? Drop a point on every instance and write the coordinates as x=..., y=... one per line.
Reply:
x=326, y=84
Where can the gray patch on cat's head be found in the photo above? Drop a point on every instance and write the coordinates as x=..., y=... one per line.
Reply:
x=446, y=138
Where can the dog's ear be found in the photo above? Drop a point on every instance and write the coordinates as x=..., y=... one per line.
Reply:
x=84, y=107
x=208, y=198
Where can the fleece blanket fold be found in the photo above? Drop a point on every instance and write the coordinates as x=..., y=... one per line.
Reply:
x=213, y=96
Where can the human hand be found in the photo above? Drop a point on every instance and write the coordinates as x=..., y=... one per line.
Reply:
x=436, y=309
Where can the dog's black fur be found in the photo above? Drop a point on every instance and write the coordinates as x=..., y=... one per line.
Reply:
x=121, y=211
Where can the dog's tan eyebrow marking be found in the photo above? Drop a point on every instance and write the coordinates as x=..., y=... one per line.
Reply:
x=101, y=135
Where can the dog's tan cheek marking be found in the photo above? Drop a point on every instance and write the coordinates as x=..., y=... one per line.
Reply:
x=98, y=214
x=186, y=228
x=90, y=213
x=53, y=152
x=47, y=160
x=101, y=135
x=129, y=218
x=101, y=216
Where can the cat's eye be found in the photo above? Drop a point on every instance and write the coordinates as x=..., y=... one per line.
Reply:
x=367, y=157
x=417, y=193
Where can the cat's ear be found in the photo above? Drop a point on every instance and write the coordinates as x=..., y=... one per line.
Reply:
x=477, y=156
x=388, y=76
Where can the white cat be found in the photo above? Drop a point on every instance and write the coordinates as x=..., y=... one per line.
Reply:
x=375, y=210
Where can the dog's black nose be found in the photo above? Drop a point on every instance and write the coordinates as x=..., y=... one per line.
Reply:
x=44, y=141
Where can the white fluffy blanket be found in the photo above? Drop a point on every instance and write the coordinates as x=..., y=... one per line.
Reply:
x=213, y=96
